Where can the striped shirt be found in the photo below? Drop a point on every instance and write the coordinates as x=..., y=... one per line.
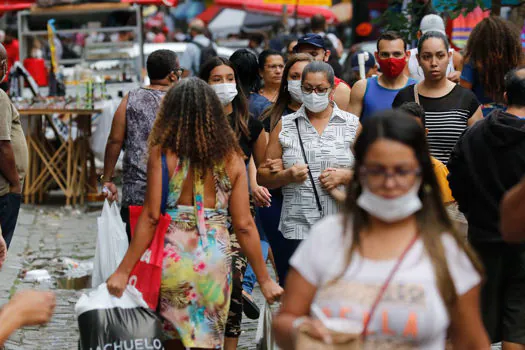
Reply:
x=446, y=117
x=331, y=149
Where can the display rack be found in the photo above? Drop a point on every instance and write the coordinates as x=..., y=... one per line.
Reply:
x=88, y=18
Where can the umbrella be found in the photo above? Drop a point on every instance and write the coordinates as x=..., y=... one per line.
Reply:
x=231, y=21
x=260, y=6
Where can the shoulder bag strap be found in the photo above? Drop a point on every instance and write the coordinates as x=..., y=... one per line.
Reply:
x=165, y=184
x=385, y=285
x=416, y=94
x=317, y=200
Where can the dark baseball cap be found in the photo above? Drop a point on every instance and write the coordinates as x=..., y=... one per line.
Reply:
x=311, y=39
x=370, y=61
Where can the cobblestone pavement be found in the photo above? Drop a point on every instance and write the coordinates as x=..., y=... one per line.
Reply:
x=45, y=235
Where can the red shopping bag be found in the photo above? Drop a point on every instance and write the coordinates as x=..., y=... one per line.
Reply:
x=147, y=273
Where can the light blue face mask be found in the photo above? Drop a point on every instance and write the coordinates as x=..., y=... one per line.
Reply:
x=294, y=88
x=315, y=103
x=391, y=210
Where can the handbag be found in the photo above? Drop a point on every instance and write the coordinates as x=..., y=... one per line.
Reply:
x=317, y=200
x=350, y=341
x=147, y=273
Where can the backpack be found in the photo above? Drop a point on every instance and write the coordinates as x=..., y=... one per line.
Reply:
x=207, y=52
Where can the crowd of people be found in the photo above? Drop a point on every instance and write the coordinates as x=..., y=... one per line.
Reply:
x=347, y=188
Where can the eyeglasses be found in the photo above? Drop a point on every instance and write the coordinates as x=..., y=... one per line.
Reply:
x=320, y=91
x=274, y=66
x=377, y=177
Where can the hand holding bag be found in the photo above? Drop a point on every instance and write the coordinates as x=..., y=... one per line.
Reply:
x=147, y=273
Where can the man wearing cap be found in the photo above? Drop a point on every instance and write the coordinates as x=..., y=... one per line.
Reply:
x=434, y=23
x=314, y=45
x=191, y=58
x=376, y=94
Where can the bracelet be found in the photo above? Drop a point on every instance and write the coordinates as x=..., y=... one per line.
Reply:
x=102, y=179
x=298, y=322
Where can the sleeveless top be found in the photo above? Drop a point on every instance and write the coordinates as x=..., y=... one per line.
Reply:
x=378, y=98
x=222, y=188
x=141, y=112
x=415, y=70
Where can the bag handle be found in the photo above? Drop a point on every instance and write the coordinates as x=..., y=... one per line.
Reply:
x=317, y=200
x=416, y=94
x=165, y=184
x=386, y=284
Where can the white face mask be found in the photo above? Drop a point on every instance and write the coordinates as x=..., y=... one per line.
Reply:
x=391, y=210
x=315, y=103
x=37, y=53
x=226, y=92
x=294, y=88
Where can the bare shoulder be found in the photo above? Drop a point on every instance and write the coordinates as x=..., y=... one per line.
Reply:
x=359, y=87
x=234, y=167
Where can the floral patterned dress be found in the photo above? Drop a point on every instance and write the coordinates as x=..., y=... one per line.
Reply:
x=196, y=278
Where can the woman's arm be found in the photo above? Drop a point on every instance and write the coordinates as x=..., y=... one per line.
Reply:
x=146, y=225
x=246, y=231
x=466, y=326
x=261, y=195
x=477, y=116
x=265, y=176
x=259, y=149
x=296, y=304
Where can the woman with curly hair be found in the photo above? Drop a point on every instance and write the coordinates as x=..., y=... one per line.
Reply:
x=222, y=77
x=493, y=49
x=207, y=185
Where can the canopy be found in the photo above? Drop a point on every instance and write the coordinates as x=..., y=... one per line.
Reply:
x=231, y=21
x=275, y=9
x=15, y=5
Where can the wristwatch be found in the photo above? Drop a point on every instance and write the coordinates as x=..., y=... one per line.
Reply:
x=102, y=179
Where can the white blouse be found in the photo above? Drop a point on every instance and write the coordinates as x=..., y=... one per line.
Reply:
x=331, y=149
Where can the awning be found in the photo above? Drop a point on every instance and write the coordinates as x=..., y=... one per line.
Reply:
x=232, y=21
x=14, y=5
x=274, y=9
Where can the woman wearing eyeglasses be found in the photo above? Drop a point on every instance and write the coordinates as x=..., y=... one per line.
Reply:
x=314, y=144
x=130, y=129
x=271, y=66
x=391, y=266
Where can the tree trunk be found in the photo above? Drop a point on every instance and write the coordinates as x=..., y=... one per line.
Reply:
x=496, y=8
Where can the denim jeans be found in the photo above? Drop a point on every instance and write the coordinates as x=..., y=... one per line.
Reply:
x=249, y=276
x=282, y=248
x=9, y=208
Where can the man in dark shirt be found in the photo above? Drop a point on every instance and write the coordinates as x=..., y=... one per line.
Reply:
x=487, y=161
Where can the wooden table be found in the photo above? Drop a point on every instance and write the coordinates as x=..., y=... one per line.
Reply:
x=63, y=162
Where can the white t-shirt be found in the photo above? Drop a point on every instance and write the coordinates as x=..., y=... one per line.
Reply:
x=411, y=314
x=415, y=70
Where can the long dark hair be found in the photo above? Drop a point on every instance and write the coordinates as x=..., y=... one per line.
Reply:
x=493, y=49
x=194, y=130
x=432, y=219
x=240, y=115
x=276, y=111
x=246, y=65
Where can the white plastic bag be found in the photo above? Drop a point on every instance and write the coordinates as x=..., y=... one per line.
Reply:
x=112, y=243
x=108, y=322
x=264, y=338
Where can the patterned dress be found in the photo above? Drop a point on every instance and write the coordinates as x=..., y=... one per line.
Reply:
x=196, y=278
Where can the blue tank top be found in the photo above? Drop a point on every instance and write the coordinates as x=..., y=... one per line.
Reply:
x=378, y=98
